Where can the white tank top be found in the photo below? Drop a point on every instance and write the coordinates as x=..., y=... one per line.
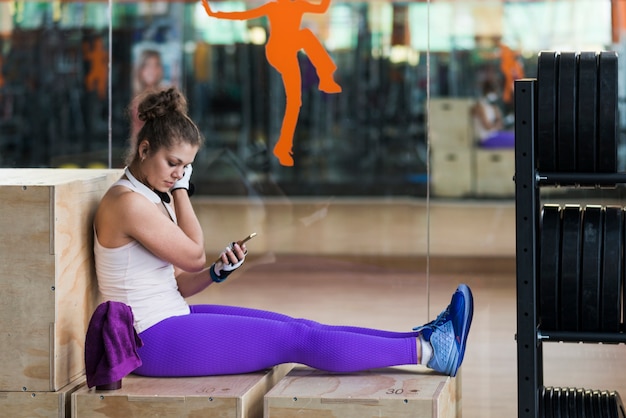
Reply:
x=480, y=131
x=133, y=275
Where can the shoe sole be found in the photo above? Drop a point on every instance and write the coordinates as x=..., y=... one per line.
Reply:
x=468, y=315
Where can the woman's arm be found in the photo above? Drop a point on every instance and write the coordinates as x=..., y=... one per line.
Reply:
x=243, y=15
x=138, y=218
x=498, y=123
x=481, y=115
x=186, y=216
x=190, y=284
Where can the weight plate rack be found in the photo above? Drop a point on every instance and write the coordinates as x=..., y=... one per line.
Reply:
x=569, y=258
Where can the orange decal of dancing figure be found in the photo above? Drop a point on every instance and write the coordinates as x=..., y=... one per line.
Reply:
x=98, y=58
x=512, y=70
x=285, y=40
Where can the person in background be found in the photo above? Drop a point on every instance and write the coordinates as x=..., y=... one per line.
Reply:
x=488, y=122
x=148, y=76
x=148, y=71
x=150, y=255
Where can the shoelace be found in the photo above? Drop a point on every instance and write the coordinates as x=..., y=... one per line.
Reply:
x=441, y=319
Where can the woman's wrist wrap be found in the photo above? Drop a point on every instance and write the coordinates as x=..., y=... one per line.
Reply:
x=215, y=277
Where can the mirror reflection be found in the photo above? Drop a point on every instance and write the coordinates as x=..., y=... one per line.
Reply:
x=371, y=139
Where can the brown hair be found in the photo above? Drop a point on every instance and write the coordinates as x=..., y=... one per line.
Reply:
x=163, y=113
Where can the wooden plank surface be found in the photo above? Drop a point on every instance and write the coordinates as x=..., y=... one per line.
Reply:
x=236, y=396
x=50, y=176
x=409, y=391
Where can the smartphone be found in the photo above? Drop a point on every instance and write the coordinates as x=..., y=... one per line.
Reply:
x=246, y=239
x=240, y=242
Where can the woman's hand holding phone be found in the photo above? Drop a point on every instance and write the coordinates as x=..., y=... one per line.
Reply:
x=230, y=260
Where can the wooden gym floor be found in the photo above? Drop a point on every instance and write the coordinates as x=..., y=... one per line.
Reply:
x=399, y=292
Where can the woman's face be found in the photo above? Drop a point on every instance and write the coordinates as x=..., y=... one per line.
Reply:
x=152, y=72
x=161, y=169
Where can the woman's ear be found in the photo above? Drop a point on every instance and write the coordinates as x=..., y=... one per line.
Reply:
x=143, y=149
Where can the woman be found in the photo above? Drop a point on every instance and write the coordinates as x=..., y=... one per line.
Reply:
x=488, y=121
x=150, y=256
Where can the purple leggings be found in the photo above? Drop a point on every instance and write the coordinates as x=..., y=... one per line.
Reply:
x=215, y=340
x=499, y=139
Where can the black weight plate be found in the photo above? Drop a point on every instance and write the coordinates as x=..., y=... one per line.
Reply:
x=623, y=271
x=556, y=403
x=564, y=403
x=570, y=267
x=566, y=112
x=542, y=402
x=620, y=406
x=591, y=268
x=604, y=403
x=586, y=115
x=607, y=112
x=613, y=408
x=597, y=404
x=549, y=265
x=565, y=400
x=572, y=411
x=547, y=402
x=588, y=399
x=612, y=270
x=556, y=399
x=547, y=74
x=580, y=403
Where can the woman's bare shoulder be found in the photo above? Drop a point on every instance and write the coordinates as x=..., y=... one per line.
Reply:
x=118, y=204
x=122, y=202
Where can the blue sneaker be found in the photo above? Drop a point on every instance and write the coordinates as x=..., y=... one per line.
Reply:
x=448, y=333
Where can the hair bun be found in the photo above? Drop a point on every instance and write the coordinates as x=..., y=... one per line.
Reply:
x=159, y=103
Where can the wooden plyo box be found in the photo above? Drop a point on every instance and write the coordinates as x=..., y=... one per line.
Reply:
x=495, y=169
x=232, y=396
x=399, y=392
x=39, y=404
x=47, y=282
x=450, y=122
x=452, y=172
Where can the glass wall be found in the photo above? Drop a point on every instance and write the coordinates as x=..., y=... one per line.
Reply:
x=370, y=139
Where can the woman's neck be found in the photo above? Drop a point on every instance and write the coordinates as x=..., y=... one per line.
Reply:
x=144, y=185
